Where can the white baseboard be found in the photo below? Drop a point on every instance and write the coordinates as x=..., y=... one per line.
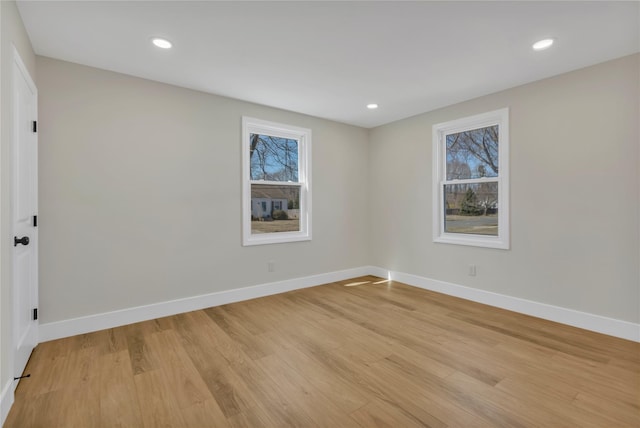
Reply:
x=88, y=324
x=6, y=401
x=610, y=326
x=597, y=323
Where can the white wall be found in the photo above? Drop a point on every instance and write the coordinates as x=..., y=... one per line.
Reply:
x=140, y=194
x=12, y=33
x=574, y=194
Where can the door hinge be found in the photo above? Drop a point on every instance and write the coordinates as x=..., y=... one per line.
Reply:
x=35, y=126
x=35, y=314
x=35, y=221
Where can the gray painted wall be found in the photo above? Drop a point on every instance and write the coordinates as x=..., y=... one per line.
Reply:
x=140, y=194
x=574, y=194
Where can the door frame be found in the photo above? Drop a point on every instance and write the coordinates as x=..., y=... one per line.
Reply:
x=19, y=67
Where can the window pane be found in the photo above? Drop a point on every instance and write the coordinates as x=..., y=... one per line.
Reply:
x=472, y=154
x=471, y=208
x=273, y=158
x=275, y=208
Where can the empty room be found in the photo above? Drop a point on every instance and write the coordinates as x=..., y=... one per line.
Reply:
x=319, y=214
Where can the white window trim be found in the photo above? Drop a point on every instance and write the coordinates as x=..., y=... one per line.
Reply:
x=303, y=136
x=440, y=130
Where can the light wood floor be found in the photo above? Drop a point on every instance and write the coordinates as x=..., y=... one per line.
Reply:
x=376, y=354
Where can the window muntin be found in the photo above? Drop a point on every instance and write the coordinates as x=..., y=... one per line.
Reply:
x=470, y=183
x=277, y=185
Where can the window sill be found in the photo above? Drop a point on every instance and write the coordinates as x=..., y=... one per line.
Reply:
x=269, y=238
x=472, y=240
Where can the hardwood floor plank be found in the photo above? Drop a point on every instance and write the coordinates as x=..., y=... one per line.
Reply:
x=119, y=405
x=365, y=352
x=53, y=409
x=323, y=377
x=539, y=397
x=425, y=392
x=237, y=332
x=138, y=352
x=203, y=414
x=502, y=404
x=158, y=406
x=227, y=388
x=380, y=414
x=251, y=418
x=422, y=404
x=264, y=390
x=321, y=409
x=179, y=374
x=45, y=372
x=44, y=410
x=534, y=336
x=618, y=412
x=598, y=378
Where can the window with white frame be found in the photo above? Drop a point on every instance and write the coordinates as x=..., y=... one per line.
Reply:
x=471, y=180
x=276, y=171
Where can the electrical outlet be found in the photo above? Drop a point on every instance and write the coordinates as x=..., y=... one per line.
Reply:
x=472, y=270
x=271, y=266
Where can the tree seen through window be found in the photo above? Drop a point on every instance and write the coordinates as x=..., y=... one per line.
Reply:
x=273, y=158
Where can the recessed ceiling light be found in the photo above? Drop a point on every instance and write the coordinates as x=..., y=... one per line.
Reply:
x=542, y=44
x=372, y=106
x=161, y=43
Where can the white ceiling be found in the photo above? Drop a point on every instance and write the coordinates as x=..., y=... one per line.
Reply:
x=330, y=59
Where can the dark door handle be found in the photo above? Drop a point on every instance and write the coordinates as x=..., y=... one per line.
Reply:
x=24, y=241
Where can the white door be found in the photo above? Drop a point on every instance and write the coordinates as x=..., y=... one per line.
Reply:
x=25, y=209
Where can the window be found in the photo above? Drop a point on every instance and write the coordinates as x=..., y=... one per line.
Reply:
x=276, y=171
x=471, y=180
